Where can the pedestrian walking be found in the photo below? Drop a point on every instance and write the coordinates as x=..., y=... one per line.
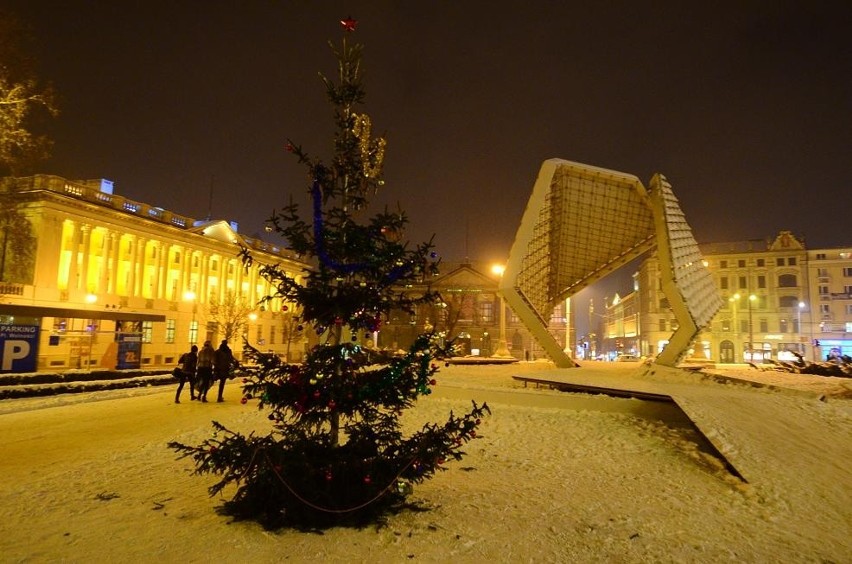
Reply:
x=222, y=365
x=186, y=371
x=206, y=357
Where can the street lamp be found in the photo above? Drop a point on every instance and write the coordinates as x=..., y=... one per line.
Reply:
x=799, y=327
x=502, y=348
x=189, y=296
x=751, y=299
x=735, y=299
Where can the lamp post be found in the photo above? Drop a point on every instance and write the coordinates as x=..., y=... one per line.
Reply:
x=751, y=299
x=799, y=327
x=189, y=296
x=502, y=348
x=734, y=300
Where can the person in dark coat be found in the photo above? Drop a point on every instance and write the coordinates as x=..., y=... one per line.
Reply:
x=206, y=358
x=187, y=362
x=222, y=365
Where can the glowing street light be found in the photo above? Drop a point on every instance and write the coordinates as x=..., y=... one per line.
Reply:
x=802, y=306
x=502, y=348
x=751, y=299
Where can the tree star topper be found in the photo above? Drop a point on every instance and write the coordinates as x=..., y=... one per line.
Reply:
x=349, y=24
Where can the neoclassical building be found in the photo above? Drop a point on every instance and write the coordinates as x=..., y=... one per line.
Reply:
x=92, y=279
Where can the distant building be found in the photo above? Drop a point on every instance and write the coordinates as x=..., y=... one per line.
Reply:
x=779, y=298
x=91, y=279
x=469, y=312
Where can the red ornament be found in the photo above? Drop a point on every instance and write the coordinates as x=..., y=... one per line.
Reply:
x=244, y=401
x=433, y=382
x=349, y=24
x=328, y=476
x=290, y=148
x=284, y=308
x=367, y=479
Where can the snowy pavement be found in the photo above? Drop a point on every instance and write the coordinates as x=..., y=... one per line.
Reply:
x=553, y=477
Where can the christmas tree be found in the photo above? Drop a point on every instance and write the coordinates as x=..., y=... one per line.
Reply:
x=336, y=452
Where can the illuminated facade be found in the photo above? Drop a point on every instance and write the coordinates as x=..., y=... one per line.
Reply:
x=778, y=297
x=84, y=265
x=469, y=312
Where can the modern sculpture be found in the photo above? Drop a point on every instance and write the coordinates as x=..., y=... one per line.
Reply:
x=581, y=224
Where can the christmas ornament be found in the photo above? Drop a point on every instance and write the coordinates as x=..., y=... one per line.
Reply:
x=349, y=24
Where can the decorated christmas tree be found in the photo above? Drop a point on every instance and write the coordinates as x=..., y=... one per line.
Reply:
x=336, y=452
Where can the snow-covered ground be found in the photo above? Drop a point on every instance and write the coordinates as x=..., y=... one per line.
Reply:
x=553, y=477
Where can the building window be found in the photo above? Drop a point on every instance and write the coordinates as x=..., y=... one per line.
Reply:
x=272, y=335
x=783, y=326
x=170, y=330
x=791, y=261
x=147, y=331
x=662, y=325
x=823, y=290
x=848, y=309
x=820, y=256
x=764, y=326
x=788, y=301
x=741, y=263
x=761, y=263
x=847, y=289
x=486, y=312
x=847, y=271
x=743, y=325
x=723, y=282
x=193, y=331
x=779, y=261
x=60, y=324
x=824, y=309
x=761, y=281
x=723, y=264
x=787, y=281
x=743, y=283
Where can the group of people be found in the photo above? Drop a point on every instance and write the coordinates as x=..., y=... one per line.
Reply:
x=202, y=368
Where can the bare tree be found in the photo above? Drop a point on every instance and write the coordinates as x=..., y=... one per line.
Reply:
x=23, y=100
x=230, y=315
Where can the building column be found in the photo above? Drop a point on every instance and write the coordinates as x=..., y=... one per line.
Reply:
x=83, y=283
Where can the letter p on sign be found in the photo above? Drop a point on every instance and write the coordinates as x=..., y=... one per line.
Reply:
x=12, y=351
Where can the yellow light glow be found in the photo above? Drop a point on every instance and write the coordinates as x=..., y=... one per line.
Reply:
x=498, y=269
x=91, y=298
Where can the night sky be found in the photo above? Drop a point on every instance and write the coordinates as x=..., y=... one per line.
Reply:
x=745, y=106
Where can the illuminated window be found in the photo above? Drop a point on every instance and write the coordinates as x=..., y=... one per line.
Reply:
x=147, y=331
x=486, y=312
x=170, y=330
x=783, y=326
x=272, y=335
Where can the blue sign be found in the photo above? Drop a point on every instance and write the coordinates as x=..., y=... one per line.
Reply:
x=129, y=350
x=18, y=347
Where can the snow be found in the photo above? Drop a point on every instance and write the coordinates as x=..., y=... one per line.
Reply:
x=552, y=477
